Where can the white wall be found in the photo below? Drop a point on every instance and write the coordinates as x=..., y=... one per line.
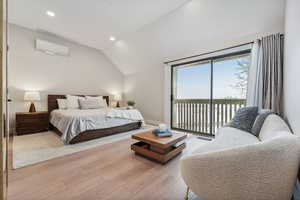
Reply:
x=292, y=65
x=196, y=27
x=85, y=71
x=147, y=89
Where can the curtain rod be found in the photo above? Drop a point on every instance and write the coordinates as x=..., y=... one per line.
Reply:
x=203, y=54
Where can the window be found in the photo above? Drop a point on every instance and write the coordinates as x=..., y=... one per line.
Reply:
x=207, y=93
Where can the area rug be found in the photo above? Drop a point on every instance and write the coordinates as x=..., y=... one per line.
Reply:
x=35, y=148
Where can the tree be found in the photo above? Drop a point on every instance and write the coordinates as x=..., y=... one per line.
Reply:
x=242, y=76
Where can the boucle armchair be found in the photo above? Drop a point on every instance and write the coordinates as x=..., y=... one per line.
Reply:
x=240, y=166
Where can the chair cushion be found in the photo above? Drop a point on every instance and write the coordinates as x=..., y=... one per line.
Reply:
x=273, y=126
x=228, y=138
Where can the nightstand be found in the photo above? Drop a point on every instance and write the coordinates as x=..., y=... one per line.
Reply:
x=31, y=122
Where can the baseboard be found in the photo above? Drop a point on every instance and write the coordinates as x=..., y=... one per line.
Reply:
x=152, y=122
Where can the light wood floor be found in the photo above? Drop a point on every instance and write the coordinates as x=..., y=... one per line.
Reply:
x=108, y=172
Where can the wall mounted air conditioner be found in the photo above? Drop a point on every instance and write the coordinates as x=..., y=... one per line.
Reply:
x=51, y=48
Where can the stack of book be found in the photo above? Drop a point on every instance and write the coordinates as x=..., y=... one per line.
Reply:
x=165, y=133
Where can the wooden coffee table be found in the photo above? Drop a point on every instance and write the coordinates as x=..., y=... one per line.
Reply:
x=161, y=149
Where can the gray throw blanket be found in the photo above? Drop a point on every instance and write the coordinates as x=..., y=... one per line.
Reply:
x=259, y=121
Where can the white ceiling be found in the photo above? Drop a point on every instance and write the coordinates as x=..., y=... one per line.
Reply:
x=149, y=32
x=199, y=26
x=89, y=22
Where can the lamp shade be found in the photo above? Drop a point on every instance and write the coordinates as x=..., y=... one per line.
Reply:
x=32, y=96
x=118, y=97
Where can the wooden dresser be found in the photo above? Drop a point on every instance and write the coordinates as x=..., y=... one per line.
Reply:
x=27, y=122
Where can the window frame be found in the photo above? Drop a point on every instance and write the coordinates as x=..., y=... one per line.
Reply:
x=211, y=60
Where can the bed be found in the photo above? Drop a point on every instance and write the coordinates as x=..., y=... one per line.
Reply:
x=65, y=118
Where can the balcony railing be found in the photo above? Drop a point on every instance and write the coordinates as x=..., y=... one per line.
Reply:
x=194, y=114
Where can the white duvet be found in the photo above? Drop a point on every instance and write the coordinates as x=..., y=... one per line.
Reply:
x=72, y=122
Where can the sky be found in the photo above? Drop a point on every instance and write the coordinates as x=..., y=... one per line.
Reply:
x=193, y=82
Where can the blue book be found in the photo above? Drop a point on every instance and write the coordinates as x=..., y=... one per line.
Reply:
x=160, y=133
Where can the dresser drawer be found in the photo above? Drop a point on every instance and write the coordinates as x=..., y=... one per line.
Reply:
x=29, y=130
x=29, y=125
x=27, y=117
x=31, y=121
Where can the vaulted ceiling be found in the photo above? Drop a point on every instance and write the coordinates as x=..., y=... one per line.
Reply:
x=90, y=22
x=150, y=31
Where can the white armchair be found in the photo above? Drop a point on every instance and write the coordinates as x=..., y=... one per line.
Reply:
x=259, y=170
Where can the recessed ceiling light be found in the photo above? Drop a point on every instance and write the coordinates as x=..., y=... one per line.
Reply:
x=50, y=13
x=112, y=38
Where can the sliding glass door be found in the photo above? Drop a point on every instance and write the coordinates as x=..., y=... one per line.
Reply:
x=207, y=93
x=191, y=97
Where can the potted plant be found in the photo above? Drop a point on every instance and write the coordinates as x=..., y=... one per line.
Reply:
x=130, y=104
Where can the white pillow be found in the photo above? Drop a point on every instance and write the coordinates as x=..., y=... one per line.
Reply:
x=90, y=104
x=94, y=97
x=72, y=101
x=102, y=101
x=62, y=104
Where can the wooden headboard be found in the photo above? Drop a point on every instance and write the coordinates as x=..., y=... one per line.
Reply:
x=52, y=103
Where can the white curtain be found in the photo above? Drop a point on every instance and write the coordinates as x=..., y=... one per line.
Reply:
x=167, y=94
x=265, y=80
x=254, y=91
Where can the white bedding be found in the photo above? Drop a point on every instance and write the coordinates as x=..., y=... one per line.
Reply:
x=72, y=122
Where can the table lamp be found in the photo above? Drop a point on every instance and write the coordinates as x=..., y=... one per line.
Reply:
x=118, y=98
x=32, y=96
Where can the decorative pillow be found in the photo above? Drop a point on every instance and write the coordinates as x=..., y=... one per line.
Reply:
x=72, y=101
x=244, y=118
x=259, y=121
x=90, y=104
x=94, y=97
x=102, y=101
x=62, y=104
